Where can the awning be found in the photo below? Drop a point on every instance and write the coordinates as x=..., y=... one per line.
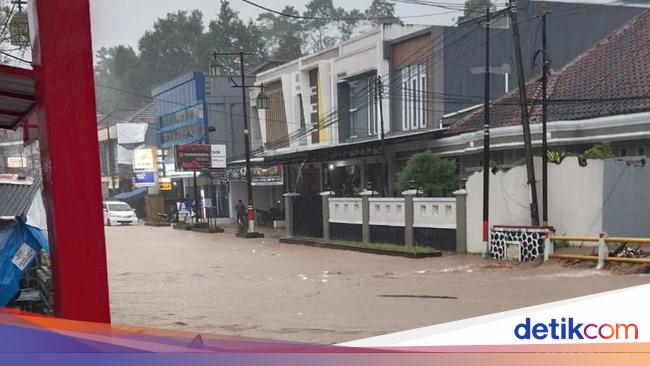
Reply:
x=16, y=95
x=125, y=196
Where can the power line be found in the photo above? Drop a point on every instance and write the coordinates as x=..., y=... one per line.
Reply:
x=334, y=19
x=15, y=57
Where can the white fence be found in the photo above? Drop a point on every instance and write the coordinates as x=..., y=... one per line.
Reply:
x=345, y=210
x=437, y=213
x=386, y=211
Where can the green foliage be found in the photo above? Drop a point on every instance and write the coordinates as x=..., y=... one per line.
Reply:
x=603, y=150
x=229, y=33
x=435, y=176
x=118, y=67
x=288, y=47
x=555, y=157
x=382, y=12
x=474, y=8
x=173, y=47
x=178, y=44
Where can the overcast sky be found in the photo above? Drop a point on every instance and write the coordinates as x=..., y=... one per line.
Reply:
x=124, y=21
x=117, y=22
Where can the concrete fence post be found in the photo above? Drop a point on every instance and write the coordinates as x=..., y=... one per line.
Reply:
x=461, y=221
x=409, y=231
x=549, y=248
x=326, y=213
x=365, y=219
x=288, y=212
x=603, y=251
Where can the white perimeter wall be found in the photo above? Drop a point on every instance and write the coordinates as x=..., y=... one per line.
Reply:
x=575, y=199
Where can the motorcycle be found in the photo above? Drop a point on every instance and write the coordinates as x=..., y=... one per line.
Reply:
x=266, y=217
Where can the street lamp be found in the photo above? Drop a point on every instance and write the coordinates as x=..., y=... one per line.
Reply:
x=263, y=103
x=216, y=69
x=19, y=26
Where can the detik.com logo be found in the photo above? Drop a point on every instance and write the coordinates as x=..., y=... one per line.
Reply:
x=568, y=328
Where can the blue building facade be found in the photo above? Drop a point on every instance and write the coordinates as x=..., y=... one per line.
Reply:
x=181, y=111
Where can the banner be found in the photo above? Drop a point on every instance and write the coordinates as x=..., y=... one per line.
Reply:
x=165, y=183
x=144, y=179
x=200, y=157
x=269, y=176
x=144, y=160
x=16, y=162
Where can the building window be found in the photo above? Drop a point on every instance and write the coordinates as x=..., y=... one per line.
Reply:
x=313, y=100
x=363, y=110
x=414, y=100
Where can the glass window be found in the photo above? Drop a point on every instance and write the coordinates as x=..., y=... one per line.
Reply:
x=414, y=100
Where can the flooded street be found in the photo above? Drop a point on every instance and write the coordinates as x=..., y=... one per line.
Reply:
x=216, y=283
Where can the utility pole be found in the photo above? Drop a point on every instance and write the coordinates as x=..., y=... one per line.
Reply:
x=486, y=138
x=247, y=148
x=251, y=233
x=109, y=154
x=379, y=91
x=545, y=70
x=523, y=102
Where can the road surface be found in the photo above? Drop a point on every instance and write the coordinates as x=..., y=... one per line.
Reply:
x=216, y=283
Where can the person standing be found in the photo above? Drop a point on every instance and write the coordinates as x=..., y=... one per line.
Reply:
x=241, y=213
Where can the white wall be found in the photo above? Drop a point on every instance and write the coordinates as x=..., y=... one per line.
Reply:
x=345, y=210
x=575, y=199
x=386, y=211
x=437, y=213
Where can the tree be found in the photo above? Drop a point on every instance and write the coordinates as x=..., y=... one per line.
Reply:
x=474, y=8
x=382, y=12
x=173, y=47
x=228, y=33
x=283, y=36
x=435, y=176
x=330, y=26
x=288, y=48
x=117, y=71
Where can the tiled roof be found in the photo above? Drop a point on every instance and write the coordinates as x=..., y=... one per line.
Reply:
x=611, y=78
x=15, y=199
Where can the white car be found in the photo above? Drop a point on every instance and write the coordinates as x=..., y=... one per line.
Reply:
x=118, y=213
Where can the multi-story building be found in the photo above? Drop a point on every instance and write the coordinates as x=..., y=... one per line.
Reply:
x=116, y=146
x=197, y=108
x=332, y=124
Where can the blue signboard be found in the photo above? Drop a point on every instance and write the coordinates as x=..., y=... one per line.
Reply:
x=144, y=179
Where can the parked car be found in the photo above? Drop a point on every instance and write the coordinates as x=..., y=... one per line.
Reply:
x=118, y=213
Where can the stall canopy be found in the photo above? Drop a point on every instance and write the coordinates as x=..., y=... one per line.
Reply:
x=126, y=196
x=16, y=95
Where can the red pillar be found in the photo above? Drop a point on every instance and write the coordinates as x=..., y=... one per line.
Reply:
x=65, y=103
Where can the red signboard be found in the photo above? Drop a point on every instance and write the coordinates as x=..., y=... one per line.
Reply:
x=193, y=157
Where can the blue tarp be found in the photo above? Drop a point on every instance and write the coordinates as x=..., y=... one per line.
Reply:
x=132, y=194
x=13, y=235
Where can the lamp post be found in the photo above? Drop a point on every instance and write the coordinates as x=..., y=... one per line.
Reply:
x=262, y=103
x=19, y=26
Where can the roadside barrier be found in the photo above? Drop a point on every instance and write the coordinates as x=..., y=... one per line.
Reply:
x=603, y=249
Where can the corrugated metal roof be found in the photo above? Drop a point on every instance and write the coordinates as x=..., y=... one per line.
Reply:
x=16, y=95
x=15, y=199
